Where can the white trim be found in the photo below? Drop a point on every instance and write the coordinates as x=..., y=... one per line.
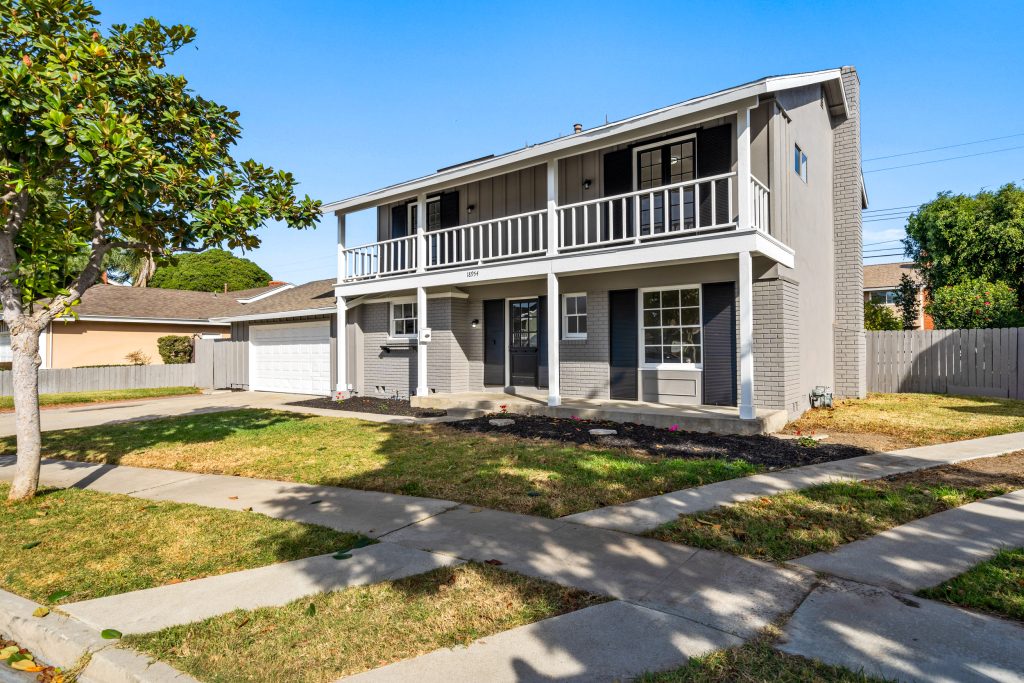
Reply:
x=422, y=376
x=564, y=317
x=554, y=355
x=745, y=337
x=264, y=295
x=391, y=317
x=566, y=145
x=644, y=365
x=227, y=320
x=142, y=321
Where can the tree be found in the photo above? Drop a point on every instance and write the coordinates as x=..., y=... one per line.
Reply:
x=175, y=348
x=102, y=148
x=954, y=238
x=974, y=303
x=878, y=317
x=209, y=272
x=906, y=296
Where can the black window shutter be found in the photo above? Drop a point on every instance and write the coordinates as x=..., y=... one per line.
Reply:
x=618, y=172
x=624, y=353
x=542, y=342
x=718, y=305
x=714, y=150
x=449, y=209
x=399, y=221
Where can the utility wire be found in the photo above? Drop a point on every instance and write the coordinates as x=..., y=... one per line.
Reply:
x=936, y=161
x=934, y=149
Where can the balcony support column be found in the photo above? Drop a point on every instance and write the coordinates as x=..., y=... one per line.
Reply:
x=421, y=234
x=422, y=389
x=552, y=216
x=746, y=337
x=342, y=266
x=343, y=388
x=743, y=185
x=554, y=327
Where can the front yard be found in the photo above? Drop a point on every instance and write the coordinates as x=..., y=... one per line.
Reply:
x=69, y=545
x=87, y=397
x=996, y=586
x=328, y=636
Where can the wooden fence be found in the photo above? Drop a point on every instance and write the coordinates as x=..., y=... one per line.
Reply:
x=223, y=363
x=66, y=380
x=966, y=362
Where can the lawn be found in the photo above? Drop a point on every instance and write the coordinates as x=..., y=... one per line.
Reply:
x=521, y=475
x=996, y=586
x=85, y=397
x=67, y=545
x=893, y=421
x=820, y=518
x=756, y=662
x=339, y=634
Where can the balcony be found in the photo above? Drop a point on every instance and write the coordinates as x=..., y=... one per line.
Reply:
x=676, y=212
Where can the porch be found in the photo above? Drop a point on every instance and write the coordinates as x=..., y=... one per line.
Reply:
x=696, y=418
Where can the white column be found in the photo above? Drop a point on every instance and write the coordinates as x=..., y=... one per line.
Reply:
x=554, y=329
x=421, y=234
x=341, y=247
x=342, y=347
x=552, y=207
x=421, y=347
x=743, y=189
x=747, y=411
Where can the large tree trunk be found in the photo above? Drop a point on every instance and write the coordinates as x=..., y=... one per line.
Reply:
x=25, y=349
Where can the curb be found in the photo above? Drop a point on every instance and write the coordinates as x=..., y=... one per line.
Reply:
x=63, y=641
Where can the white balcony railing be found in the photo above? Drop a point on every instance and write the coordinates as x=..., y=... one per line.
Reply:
x=499, y=239
x=380, y=259
x=681, y=210
x=687, y=208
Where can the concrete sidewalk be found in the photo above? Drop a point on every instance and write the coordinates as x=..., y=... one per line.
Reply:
x=647, y=513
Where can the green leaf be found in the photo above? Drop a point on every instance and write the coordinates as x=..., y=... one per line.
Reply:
x=30, y=545
x=57, y=596
x=110, y=633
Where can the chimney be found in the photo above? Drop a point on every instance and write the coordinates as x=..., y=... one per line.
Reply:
x=276, y=283
x=103, y=278
x=577, y=128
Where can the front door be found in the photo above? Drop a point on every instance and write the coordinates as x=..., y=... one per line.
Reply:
x=523, y=325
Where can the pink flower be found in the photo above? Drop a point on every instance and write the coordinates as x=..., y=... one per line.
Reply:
x=576, y=417
x=673, y=428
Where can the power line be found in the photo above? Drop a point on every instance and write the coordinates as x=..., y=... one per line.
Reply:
x=936, y=161
x=891, y=208
x=935, y=149
x=871, y=244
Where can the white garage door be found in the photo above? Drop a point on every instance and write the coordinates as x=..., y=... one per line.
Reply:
x=293, y=358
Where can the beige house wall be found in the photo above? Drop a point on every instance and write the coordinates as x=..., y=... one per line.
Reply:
x=87, y=342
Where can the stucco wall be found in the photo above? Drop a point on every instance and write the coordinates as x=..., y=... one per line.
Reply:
x=87, y=342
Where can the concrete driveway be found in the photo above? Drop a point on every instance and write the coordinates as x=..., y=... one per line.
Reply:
x=151, y=409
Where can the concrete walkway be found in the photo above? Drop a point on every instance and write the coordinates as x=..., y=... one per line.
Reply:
x=928, y=551
x=647, y=513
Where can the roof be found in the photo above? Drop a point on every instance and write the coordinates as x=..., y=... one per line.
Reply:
x=311, y=298
x=831, y=79
x=887, y=275
x=151, y=303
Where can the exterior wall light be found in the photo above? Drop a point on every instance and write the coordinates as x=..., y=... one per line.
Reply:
x=469, y=209
x=586, y=184
x=475, y=323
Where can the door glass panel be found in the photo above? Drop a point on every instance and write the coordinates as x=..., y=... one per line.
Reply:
x=524, y=321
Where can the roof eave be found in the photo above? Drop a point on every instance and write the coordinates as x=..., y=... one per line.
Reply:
x=298, y=313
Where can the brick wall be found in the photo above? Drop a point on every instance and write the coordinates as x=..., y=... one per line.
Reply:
x=777, y=346
x=850, y=349
x=584, y=363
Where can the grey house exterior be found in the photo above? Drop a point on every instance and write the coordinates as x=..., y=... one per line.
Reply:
x=704, y=254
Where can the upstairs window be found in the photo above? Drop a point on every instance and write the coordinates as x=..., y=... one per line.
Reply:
x=800, y=163
x=574, y=316
x=403, y=319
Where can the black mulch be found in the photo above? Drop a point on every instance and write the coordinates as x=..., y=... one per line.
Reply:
x=369, y=404
x=767, y=451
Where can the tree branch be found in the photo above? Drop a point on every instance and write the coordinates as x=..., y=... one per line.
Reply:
x=87, y=278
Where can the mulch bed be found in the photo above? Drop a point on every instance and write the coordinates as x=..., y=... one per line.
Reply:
x=369, y=404
x=767, y=451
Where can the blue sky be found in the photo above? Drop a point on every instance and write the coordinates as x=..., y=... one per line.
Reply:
x=351, y=97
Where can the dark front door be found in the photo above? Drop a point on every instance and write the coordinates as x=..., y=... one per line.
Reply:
x=624, y=356
x=524, y=335
x=718, y=307
x=494, y=343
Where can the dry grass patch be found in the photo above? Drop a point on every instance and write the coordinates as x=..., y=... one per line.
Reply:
x=339, y=634
x=995, y=586
x=820, y=518
x=520, y=475
x=87, y=397
x=893, y=421
x=67, y=545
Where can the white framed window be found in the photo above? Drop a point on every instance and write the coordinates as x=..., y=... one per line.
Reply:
x=887, y=296
x=574, y=316
x=800, y=163
x=670, y=329
x=403, y=319
x=433, y=215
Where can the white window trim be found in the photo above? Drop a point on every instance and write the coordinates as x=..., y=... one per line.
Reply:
x=801, y=173
x=411, y=226
x=391, y=319
x=644, y=365
x=574, y=336
x=662, y=143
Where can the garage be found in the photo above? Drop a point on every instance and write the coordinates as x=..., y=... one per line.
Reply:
x=291, y=358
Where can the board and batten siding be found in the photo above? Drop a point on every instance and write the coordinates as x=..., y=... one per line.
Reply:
x=964, y=362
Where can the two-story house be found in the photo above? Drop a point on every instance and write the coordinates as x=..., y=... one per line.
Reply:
x=705, y=256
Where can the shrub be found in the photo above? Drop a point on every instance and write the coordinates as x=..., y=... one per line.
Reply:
x=879, y=317
x=137, y=357
x=175, y=348
x=974, y=303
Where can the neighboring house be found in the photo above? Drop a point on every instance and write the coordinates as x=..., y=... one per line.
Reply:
x=706, y=253
x=114, y=321
x=881, y=281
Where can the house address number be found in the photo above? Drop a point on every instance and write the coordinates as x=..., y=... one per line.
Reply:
x=472, y=273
